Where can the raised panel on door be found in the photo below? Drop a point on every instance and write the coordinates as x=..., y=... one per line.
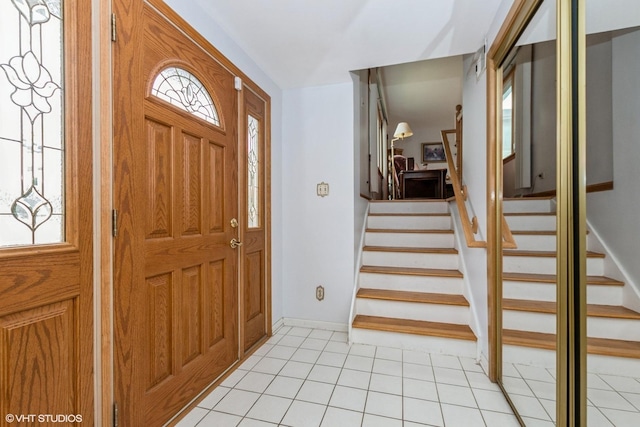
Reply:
x=40, y=356
x=176, y=274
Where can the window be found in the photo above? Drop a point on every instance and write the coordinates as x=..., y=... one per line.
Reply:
x=32, y=123
x=183, y=90
x=507, y=117
x=253, y=172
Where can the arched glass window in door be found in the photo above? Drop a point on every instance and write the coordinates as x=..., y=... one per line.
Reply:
x=31, y=123
x=183, y=90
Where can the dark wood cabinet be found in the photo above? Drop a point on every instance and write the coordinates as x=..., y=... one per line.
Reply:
x=423, y=184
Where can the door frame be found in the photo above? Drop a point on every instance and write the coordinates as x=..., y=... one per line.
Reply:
x=571, y=201
x=266, y=202
x=104, y=191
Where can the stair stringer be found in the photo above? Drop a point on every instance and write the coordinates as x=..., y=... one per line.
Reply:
x=356, y=274
x=475, y=324
x=614, y=269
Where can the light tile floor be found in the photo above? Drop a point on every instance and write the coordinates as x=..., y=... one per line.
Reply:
x=611, y=400
x=311, y=377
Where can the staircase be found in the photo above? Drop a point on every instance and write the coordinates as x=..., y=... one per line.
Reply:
x=410, y=288
x=529, y=295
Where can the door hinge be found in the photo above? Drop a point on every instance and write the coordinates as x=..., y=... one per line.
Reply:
x=115, y=414
x=114, y=223
x=113, y=27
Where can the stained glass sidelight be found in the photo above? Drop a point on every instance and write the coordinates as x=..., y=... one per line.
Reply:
x=31, y=123
x=182, y=89
x=253, y=169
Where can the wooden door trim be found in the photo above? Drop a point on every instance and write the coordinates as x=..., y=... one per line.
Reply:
x=104, y=239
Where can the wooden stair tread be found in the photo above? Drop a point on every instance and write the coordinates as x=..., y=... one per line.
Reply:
x=593, y=310
x=407, y=296
x=544, y=254
x=551, y=278
x=529, y=213
x=601, y=346
x=416, y=327
x=408, y=214
x=411, y=250
x=523, y=199
x=398, y=201
x=535, y=232
x=410, y=271
x=408, y=231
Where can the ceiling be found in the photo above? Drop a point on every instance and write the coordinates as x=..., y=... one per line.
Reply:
x=424, y=94
x=300, y=43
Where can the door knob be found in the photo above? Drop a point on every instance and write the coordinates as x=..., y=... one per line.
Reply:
x=234, y=243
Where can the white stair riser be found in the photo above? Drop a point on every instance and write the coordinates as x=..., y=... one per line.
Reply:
x=437, y=345
x=411, y=260
x=617, y=329
x=528, y=356
x=400, y=282
x=524, y=205
x=414, y=311
x=596, y=363
x=409, y=207
x=545, y=265
x=597, y=327
x=529, y=321
x=596, y=294
x=537, y=242
x=531, y=222
x=532, y=242
x=438, y=222
x=599, y=364
x=410, y=240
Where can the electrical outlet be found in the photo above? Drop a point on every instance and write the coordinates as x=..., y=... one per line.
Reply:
x=319, y=293
x=322, y=189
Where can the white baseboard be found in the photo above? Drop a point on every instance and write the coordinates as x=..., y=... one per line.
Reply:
x=315, y=324
x=277, y=325
x=484, y=363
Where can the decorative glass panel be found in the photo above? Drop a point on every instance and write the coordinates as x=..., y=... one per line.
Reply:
x=253, y=175
x=182, y=89
x=31, y=122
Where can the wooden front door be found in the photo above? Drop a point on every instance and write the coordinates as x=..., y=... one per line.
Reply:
x=254, y=219
x=46, y=216
x=175, y=273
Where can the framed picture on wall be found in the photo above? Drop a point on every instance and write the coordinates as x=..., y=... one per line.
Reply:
x=432, y=152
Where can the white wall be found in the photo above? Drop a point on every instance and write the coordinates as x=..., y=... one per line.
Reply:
x=412, y=146
x=543, y=113
x=614, y=214
x=318, y=233
x=361, y=164
x=474, y=172
x=198, y=19
x=543, y=116
x=474, y=110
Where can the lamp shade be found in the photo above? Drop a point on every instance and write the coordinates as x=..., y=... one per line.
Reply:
x=403, y=130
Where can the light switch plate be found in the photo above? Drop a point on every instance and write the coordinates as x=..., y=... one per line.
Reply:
x=323, y=189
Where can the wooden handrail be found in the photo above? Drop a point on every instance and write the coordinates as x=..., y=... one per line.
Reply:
x=469, y=227
x=508, y=242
